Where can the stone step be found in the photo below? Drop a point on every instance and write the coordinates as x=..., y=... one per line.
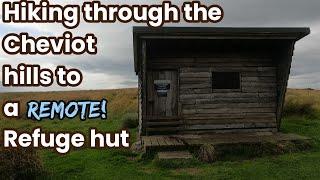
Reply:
x=174, y=155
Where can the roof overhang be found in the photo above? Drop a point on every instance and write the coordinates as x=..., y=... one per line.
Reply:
x=146, y=33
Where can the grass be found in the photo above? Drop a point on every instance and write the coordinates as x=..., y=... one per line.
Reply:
x=130, y=120
x=122, y=164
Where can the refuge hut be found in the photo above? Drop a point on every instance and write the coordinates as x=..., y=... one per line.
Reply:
x=212, y=80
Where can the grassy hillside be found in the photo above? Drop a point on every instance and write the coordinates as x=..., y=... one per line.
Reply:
x=120, y=101
x=302, y=108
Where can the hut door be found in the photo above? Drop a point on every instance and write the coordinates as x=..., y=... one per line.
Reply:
x=162, y=93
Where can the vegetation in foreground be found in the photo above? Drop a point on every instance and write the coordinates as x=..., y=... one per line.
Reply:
x=302, y=117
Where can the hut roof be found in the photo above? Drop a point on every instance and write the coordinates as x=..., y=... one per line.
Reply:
x=143, y=33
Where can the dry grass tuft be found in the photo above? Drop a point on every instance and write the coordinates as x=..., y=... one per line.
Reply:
x=20, y=163
x=207, y=153
x=302, y=103
x=130, y=120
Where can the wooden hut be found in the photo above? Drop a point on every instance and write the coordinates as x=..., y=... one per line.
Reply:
x=208, y=80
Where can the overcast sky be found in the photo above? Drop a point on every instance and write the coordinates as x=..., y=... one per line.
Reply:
x=112, y=67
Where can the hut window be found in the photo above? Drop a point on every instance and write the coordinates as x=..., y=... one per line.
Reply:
x=225, y=80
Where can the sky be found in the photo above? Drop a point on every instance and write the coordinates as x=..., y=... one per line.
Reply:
x=113, y=66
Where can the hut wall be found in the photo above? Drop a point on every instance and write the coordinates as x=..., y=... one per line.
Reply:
x=204, y=108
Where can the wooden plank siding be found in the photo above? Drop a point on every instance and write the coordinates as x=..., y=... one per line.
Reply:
x=284, y=66
x=140, y=97
x=251, y=107
x=143, y=88
x=262, y=57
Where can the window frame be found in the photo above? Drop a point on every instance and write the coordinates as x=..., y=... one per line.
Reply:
x=227, y=90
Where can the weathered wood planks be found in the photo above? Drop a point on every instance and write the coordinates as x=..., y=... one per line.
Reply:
x=202, y=108
x=254, y=106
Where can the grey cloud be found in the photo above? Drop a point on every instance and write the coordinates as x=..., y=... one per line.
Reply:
x=130, y=83
x=271, y=12
x=115, y=57
x=101, y=65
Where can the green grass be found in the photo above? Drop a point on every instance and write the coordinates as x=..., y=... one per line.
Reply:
x=122, y=164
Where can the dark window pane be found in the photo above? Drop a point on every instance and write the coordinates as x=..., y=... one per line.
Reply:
x=226, y=80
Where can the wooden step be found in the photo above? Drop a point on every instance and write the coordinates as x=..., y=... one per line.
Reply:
x=168, y=155
x=156, y=141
